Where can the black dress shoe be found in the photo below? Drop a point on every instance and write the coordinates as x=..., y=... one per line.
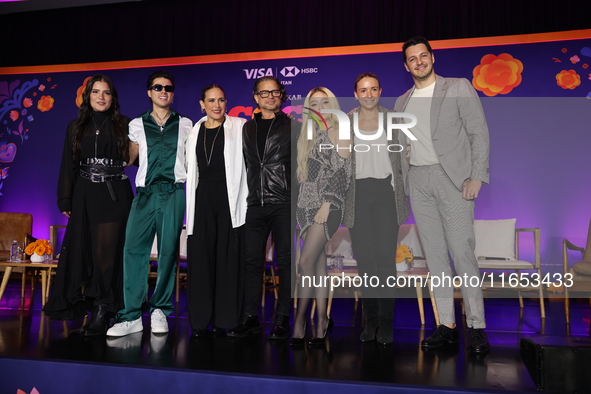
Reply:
x=250, y=324
x=281, y=328
x=442, y=336
x=386, y=334
x=218, y=332
x=99, y=321
x=200, y=333
x=299, y=342
x=478, y=341
x=369, y=331
x=319, y=341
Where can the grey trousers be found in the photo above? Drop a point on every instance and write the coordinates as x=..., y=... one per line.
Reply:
x=446, y=227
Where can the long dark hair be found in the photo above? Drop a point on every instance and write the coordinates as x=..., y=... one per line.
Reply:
x=85, y=117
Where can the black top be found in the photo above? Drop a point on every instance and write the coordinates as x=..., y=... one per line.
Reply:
x=105, y=144
x=263, y=127
x=213, y=150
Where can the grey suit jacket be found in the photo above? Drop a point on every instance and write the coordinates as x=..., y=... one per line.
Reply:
x=401, y=201
x=458, y=130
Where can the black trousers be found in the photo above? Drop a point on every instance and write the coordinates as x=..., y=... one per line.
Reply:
x=260, y=221
x=214, y=260
x=375, y=234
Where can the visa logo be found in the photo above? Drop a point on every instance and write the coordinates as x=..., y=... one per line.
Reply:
x=254, y=73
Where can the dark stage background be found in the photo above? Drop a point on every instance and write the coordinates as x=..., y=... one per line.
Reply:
x=158, y=29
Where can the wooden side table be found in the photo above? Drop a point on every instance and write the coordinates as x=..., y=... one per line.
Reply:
x=45, y=269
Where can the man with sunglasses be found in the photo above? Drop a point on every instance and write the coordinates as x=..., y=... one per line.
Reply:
x=267, y=144
x=158, y=137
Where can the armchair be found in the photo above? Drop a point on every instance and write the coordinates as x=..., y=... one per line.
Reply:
x=15, y=226
x=581, y=272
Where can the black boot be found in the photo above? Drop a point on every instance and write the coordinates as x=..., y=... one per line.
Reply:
x=370, y=313
x=99, y=322
x=386, y=315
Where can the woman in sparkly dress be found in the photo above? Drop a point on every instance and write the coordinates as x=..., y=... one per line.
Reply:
x=324, y=178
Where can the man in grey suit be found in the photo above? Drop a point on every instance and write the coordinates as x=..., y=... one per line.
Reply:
x=443, y=171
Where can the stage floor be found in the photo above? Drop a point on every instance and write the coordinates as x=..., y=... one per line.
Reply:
x=25, y=333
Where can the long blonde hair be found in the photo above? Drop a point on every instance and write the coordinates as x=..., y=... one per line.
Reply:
x=306, y=145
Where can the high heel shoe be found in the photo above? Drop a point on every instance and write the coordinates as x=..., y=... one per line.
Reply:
x=297, y=342
x=319, y=341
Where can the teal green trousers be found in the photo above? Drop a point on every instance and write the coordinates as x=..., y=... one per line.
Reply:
x=158, y=209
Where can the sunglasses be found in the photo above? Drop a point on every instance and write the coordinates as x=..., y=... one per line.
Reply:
x=158, y=88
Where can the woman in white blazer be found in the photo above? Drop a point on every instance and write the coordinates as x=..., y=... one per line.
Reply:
x=216, y=210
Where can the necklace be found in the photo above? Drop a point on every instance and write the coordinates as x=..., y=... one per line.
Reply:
x=96, y=134
x=208, y=160
x=98, y=129
x=162, y=121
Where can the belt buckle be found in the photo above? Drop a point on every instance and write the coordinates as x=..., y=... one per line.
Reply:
x=96, y=178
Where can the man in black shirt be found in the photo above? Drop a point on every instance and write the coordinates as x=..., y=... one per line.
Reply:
x=267, y=151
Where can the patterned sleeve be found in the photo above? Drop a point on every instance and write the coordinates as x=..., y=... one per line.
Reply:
x=336, y=179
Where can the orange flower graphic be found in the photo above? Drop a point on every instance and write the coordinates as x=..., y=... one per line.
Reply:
x=80, y=91
x=497, y=74
x=27, y=102
x=568, y=79
x=14, y=115
x=45, y=103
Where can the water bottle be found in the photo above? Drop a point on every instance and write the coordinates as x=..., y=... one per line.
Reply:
x=19, y=254
x=13, y=250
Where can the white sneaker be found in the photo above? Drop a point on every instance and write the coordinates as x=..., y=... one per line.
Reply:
x=125, y=328
x=159, y=322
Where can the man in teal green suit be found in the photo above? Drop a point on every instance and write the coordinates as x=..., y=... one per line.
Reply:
x=158, y=137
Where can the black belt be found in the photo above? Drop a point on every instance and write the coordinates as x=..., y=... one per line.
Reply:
x=98, y=178
x=99, y=173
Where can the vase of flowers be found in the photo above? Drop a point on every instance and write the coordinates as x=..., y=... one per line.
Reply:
x=39, y=250
x=403, y=258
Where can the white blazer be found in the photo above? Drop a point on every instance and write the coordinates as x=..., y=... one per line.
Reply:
x=235, y=171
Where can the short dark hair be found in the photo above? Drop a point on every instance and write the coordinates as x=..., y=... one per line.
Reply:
x=159, y=74
x=412, y=42
x=366, y=75
x=209, y=87
x=255, y=88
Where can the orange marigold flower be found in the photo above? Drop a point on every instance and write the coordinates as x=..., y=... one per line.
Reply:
x=497, y=74
x=27, y=102
x=403, y=253
x=30, y=249
x=568, y=79
x=40, y=250
x=43, y=242
x=585, y=65
x=14, y=115
x=49, y=250
x=80, y=91
x=45, y=103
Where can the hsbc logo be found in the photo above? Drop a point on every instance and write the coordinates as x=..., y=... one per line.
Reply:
x=290, y=71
